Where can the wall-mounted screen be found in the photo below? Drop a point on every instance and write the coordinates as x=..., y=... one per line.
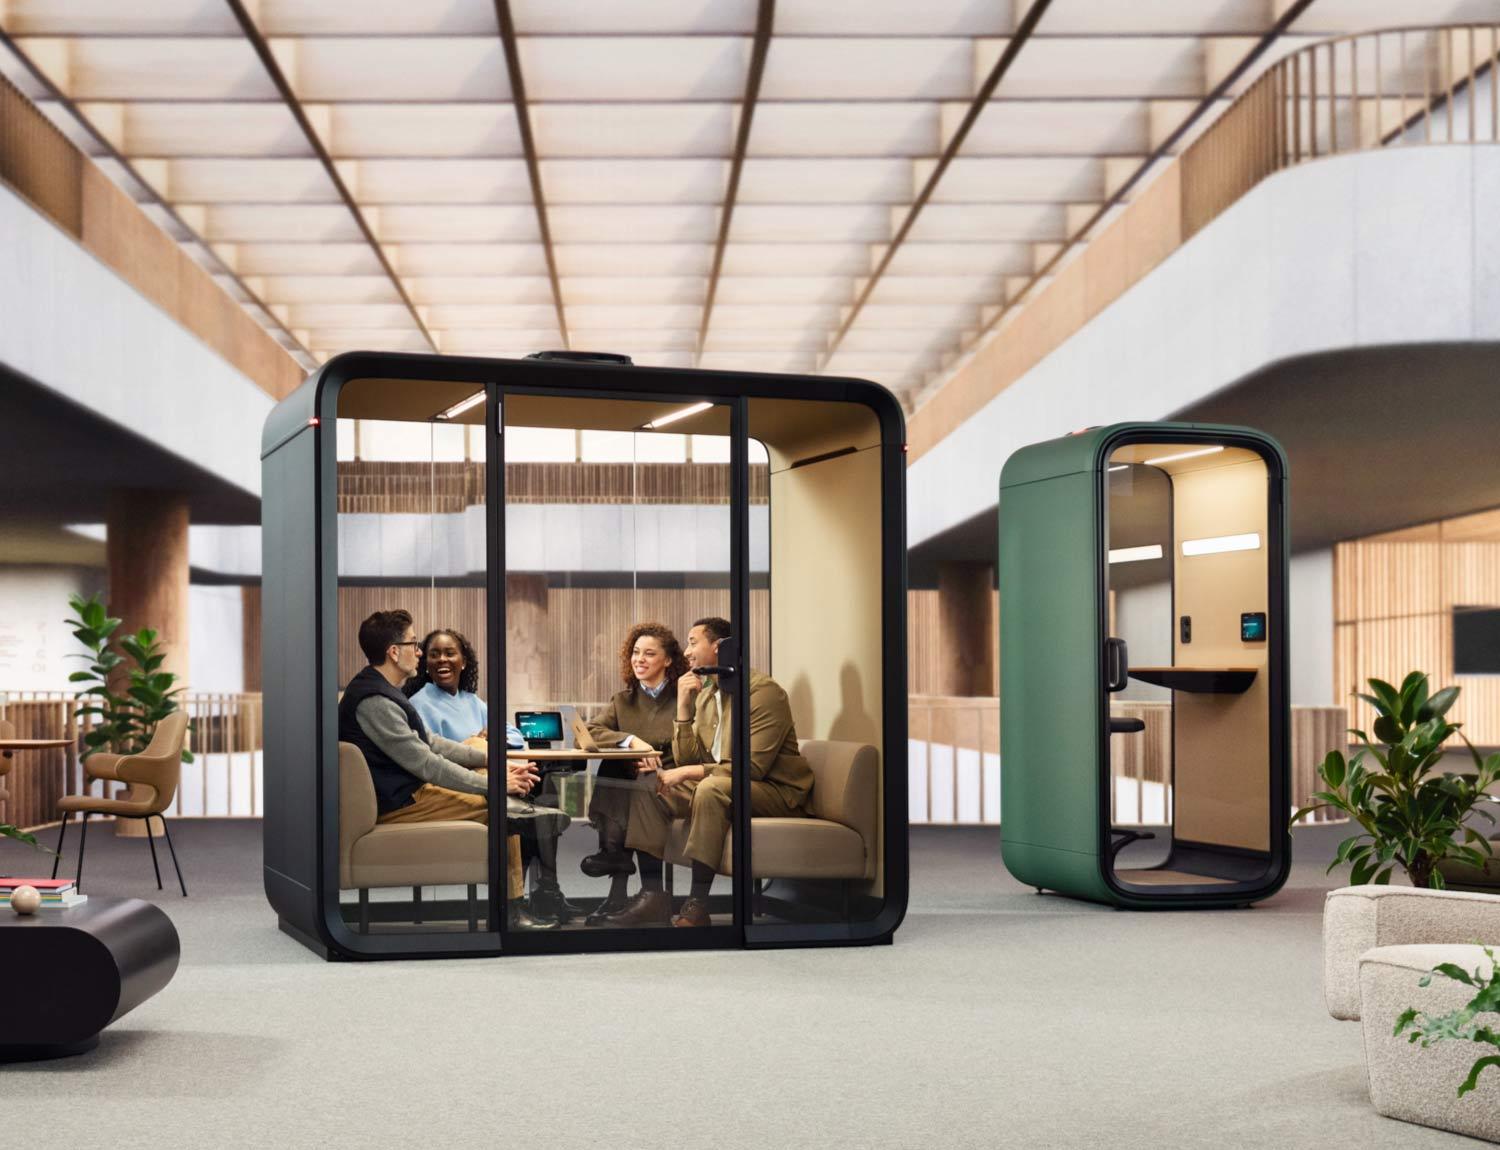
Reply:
x=1476, y=640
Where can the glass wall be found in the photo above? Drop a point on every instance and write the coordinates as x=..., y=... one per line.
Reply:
x=414, y=839
x=617, y=542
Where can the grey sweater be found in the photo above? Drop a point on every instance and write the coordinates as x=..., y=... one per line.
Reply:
x=439, y=761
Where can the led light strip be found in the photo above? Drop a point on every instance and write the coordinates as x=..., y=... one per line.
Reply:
x=1160, y=459
x=461, y=406
x=656, y=424
x=1218, y=544
x=1135, y=554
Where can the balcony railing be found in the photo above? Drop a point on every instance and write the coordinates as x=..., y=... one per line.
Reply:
x=1356, y=93
x=953, y=761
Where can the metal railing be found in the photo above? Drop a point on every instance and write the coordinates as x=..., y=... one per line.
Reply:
x=223, y=780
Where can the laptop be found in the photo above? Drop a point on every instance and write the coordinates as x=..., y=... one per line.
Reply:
x=582, y=737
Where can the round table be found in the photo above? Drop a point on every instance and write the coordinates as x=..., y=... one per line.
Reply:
x=33, y=744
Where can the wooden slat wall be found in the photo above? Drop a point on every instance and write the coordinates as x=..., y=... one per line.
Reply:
x=1393, y=601
x=39, y=162
x=373, y=487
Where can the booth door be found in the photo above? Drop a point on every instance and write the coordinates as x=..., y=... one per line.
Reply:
x=616, y=544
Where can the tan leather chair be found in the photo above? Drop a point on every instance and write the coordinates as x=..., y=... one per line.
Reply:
x=838, y=838
x=153, y=775
x=7, y=731
x=373, y=854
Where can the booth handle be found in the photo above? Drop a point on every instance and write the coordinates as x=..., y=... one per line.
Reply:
x=1116, y=665
x=729, y=652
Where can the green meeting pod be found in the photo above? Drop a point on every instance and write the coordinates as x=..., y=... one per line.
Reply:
x=1144, y=706
x=531, y=514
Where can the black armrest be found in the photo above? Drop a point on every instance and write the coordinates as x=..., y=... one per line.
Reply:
x=1119, y=726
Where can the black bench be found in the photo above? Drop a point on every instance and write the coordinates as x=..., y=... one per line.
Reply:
x=70, y=973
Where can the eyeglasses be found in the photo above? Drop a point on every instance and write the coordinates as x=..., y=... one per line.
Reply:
x=407, y=643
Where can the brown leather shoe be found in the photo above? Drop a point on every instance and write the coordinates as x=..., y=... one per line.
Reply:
x=694, y=912
x=645, y=908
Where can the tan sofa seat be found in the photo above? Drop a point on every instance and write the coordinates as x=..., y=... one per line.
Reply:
x=838, y=838
x=400, y=854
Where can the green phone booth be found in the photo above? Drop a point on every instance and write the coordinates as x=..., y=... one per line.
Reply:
x=1144, y=714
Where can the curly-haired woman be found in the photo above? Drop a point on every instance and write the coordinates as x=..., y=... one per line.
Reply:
x=637, y=717
x=445, y=690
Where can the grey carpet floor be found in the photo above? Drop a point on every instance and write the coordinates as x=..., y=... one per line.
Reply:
x=998, y=1018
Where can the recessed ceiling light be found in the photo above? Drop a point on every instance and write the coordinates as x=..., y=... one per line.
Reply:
x=1135, y=554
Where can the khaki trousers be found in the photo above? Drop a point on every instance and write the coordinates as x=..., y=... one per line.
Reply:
x=435, y=804
x=706, y=805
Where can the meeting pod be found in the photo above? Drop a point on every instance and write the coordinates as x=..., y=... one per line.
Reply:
x=575, y=575
x=1144, y=705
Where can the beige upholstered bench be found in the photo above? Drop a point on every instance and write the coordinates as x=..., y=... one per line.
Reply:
x=838, y=838
x=401, y=854
x=1358, y=918
x=1378, y=943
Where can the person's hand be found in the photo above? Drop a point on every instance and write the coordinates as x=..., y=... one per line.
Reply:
x=520, y=777
x=484, y=734
x=688, y=687
x=648, y=763
x=667, y=779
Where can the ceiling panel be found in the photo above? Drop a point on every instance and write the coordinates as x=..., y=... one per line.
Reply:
x=437, y=181
x=832, y=68
x=419, y=131
x=592, y=130
x=493, y=259
x=845, y=129
x=634, y=181
x=152, y=69
x=841, y=181
x=637, y=68
x=394, y=68
x=629, y=259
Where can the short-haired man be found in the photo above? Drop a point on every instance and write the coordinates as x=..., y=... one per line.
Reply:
x=699, y=787
x=420, y=777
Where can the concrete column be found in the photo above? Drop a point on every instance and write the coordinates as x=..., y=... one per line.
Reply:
x=967, y=647
x=147, y=555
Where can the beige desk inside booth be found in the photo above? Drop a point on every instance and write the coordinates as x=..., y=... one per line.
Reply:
x=414, y=855
x=837, y=839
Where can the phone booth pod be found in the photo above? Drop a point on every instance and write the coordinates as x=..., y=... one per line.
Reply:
x=531, y=516
x=1144, y=709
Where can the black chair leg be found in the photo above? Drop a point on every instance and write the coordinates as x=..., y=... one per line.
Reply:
x=364, y=911
x=473, y=906
x=83, y=841
x=152, y=841
x=416, y=902
x=62, y=833
x=168, y=835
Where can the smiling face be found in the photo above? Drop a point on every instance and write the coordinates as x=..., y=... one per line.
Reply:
x=702, y=648
x=445, y=661
x=648, y=660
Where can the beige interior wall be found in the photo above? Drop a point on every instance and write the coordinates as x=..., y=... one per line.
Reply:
x=827, y=640
x=1223, y=741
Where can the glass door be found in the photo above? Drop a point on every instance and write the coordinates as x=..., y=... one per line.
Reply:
x=614, y=690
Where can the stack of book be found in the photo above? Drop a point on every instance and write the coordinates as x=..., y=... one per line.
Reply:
x=56, y=892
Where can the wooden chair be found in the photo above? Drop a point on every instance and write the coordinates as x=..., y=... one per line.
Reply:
x=156, y=770
x=7, y=731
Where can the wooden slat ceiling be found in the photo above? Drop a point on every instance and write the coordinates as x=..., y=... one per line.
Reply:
x=426, y=220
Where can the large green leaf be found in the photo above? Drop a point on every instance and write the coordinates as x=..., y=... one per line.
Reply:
x=1472, y=1080
x=1437, y=706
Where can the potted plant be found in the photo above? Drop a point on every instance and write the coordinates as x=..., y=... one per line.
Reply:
x=1410, y=814
x=124, y=722
x=1464, y=1023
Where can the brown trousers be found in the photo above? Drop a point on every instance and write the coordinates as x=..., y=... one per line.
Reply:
x=435, y=804
x=706, y=806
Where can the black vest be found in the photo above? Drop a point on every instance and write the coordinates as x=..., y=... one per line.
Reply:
x=394, y=785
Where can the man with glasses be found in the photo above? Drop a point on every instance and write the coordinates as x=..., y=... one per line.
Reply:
x=418, y=776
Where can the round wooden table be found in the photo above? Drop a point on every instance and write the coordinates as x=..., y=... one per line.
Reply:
x=33, y=744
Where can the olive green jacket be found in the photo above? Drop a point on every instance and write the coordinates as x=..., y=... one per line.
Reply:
x=633, y=712
x=774, y=754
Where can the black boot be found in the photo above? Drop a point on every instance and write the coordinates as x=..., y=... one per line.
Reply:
x=548, y=901
x=612, y=857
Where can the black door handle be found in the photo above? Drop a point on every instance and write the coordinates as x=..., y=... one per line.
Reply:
x=1116, y=665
